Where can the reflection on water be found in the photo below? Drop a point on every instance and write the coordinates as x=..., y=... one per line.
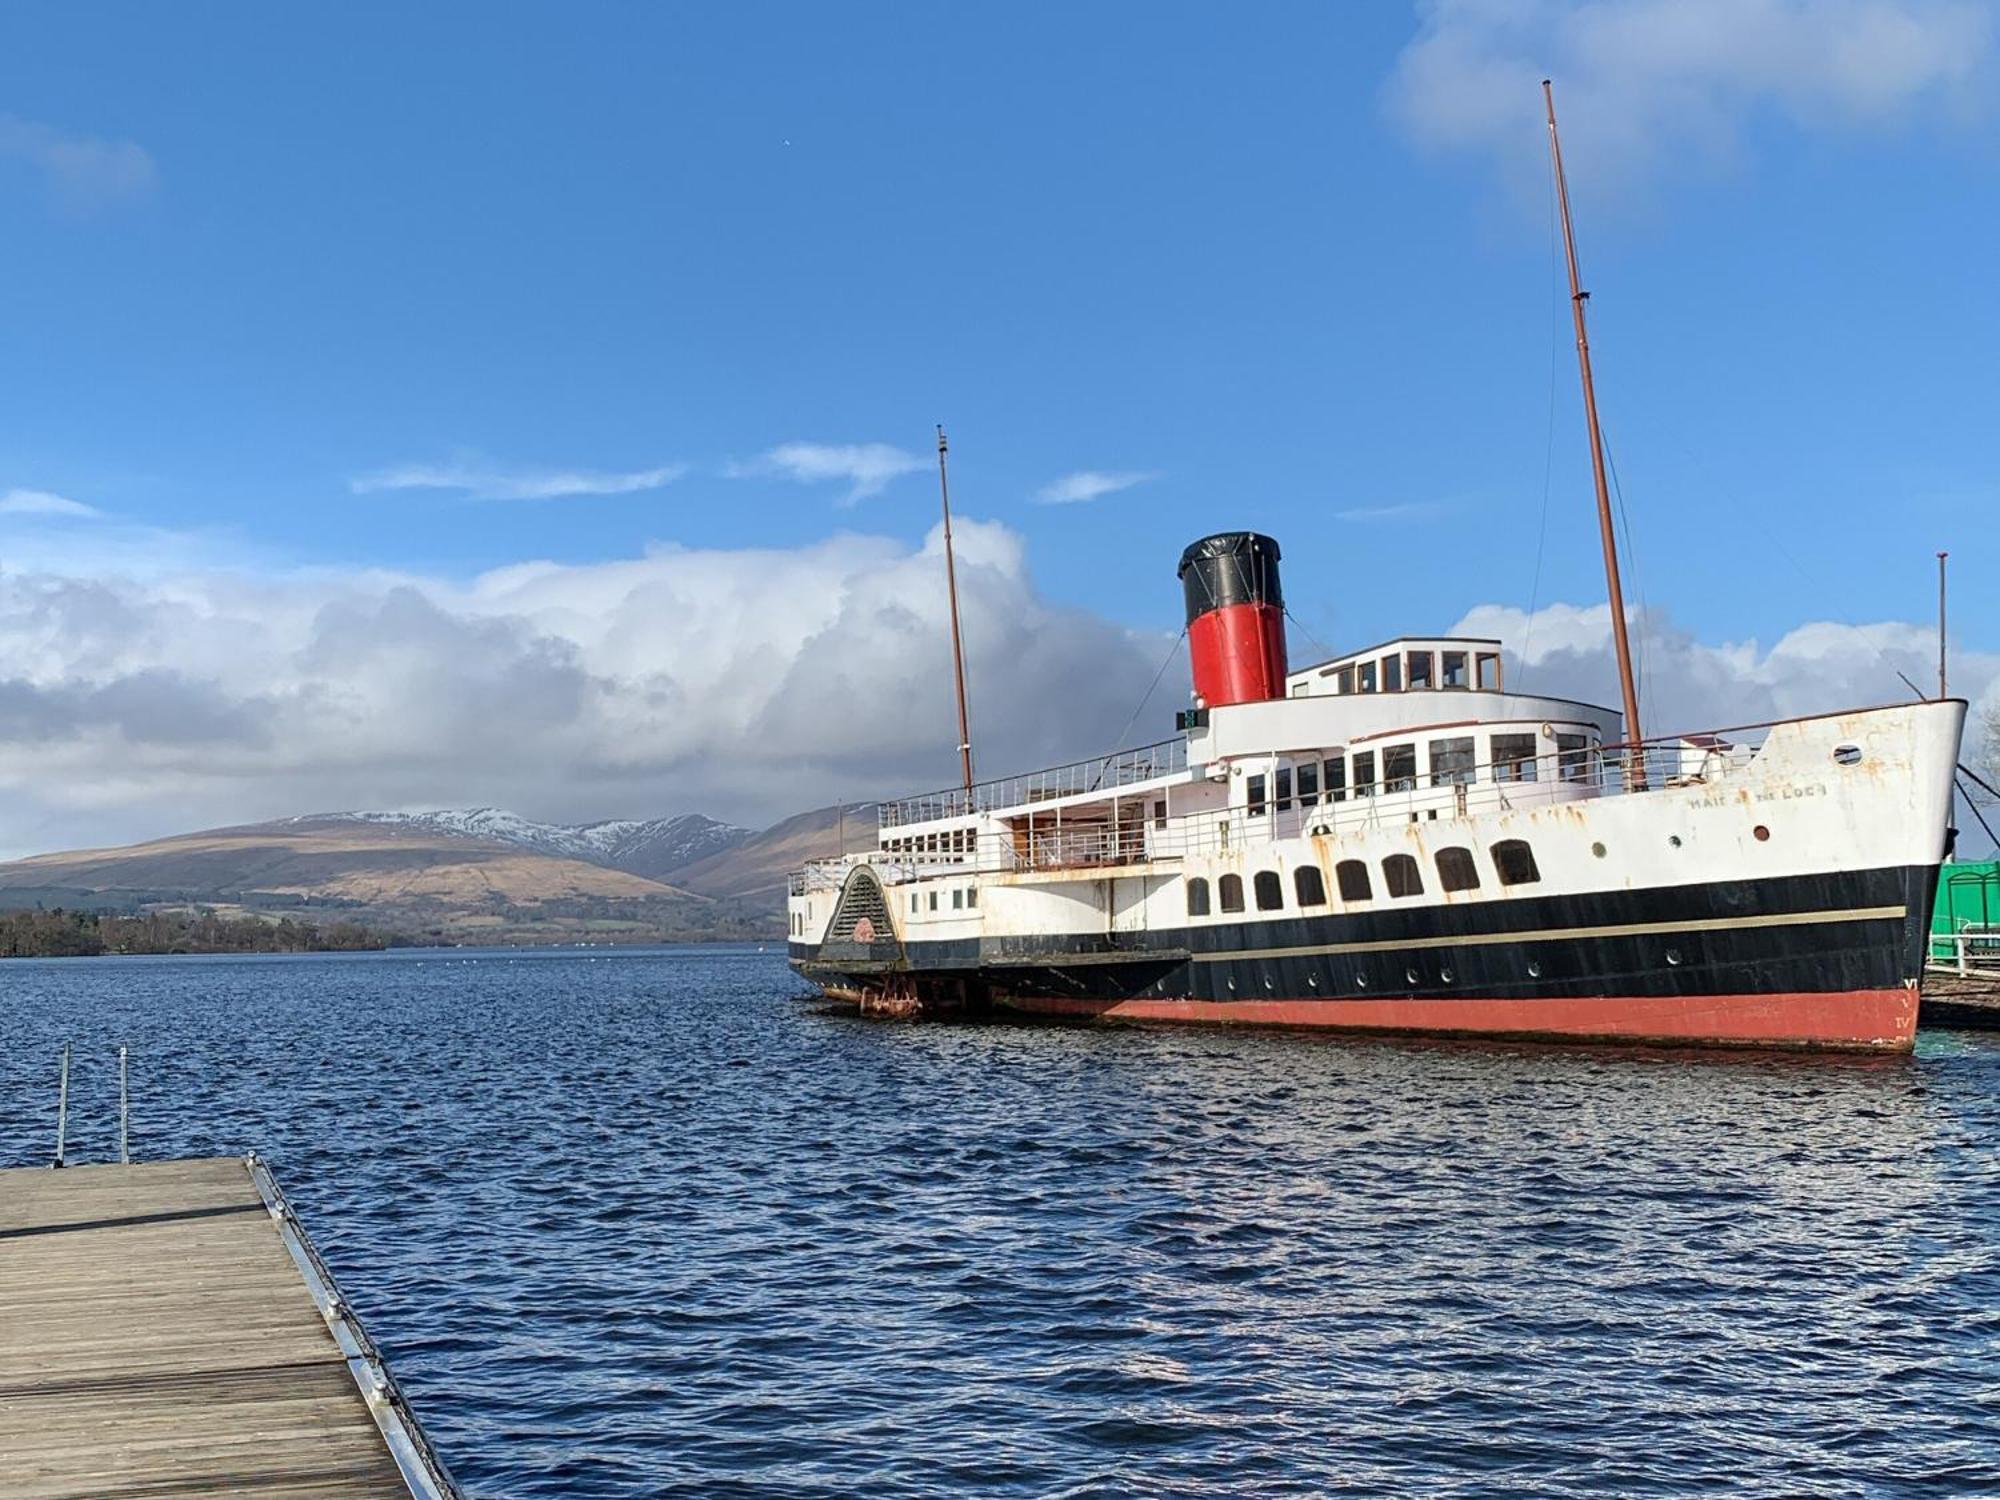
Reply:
x=639, y=1225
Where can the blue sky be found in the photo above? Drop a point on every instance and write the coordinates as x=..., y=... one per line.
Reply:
x=1287, y=267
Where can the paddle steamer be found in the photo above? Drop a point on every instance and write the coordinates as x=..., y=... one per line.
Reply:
x=1393, y=841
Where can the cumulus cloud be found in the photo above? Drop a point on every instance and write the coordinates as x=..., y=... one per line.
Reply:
x=1089, y=484
x=43, y=503
x=84, y=173
x=745, y=683
x=866, y=467
x=1690, y=684
x=1643, y=85
x=485, y=482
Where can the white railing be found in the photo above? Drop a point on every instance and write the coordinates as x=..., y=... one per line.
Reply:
x=1101, y=773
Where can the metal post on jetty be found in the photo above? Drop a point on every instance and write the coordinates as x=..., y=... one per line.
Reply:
x=62, y=1104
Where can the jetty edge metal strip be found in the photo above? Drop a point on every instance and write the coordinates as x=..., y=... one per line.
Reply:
x=1560, y=934
x=423, y=1471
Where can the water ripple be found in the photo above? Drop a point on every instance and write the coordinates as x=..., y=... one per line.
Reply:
x=651, y=1225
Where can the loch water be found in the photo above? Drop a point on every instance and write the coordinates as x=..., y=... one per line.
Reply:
x=648, y=1224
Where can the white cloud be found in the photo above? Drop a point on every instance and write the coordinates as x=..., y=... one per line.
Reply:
x=1690, y=684
x=83, y=172
x=483, y=482
x=43, y=503
x=867, y=467
x=1089, y=484
x=1646, y=85
x=746, y=683
x=1415, y=510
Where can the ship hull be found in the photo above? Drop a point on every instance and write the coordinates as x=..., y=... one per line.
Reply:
x=1828, y=961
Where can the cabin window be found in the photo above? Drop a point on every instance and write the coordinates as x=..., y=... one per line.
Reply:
x=1254, y=789
x=1308, y=775
x=1573, y=757
x=933, y=900
x=1399, y=768
x=1513, y=757
x=1367, y=675
x=1399, y=873
x=1489, y=672
x=1336, y=779
x=1392, y=674
x=1270, y=891
x=1514, y=862
x=1343, y=680
x=1309, y=885
x=1351, y=875
x=1456, y=871
x=1454, y=669
x=913, y=903
x=1364, y=774
x=1197, y=897
x=1160, y=813
x=1421, y=664
x=1452, y=761
x=1230, y=888
x=972, y=898
x=1284, y=779
x=958, y=900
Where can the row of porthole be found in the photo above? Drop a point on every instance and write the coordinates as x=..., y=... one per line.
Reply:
x=1445, y=976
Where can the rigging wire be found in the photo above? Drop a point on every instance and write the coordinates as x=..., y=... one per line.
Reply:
x=1638, y=575
x=1172, y=652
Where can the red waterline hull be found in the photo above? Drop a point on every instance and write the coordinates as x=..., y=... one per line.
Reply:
x=1880, y=1020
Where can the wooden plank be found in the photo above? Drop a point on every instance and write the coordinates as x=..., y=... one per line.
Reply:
x=157, y=1339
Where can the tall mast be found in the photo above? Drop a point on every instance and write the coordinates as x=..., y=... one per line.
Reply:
x=1635, y=760
x=957, y=644
x=1943, y=689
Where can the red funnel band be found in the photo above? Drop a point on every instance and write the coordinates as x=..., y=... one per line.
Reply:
x=1239, y=654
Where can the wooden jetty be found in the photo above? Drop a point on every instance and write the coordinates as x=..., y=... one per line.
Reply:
x=167, y=1329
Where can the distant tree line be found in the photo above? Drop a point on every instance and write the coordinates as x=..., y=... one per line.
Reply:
x=83, y=934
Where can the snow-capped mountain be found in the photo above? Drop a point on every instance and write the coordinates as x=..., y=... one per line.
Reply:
x=652, y=847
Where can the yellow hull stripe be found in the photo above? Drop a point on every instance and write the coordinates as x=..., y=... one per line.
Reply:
x=1558, y=934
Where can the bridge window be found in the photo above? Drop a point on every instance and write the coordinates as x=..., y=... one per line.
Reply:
x=1230, y=888
x=1452, y=761
x=1336, y=779
x=1284, y=779
x=1399, y=768
x=1573, y=757
x=1399, y=872
x=1343, y=680
x=1422, y=664
x=1197, y=897
x=1270, y=891
x=1309, y=885
x=1513, y=757
x=1514, y=862
x=1255, y=790
x=1367, y=674
x=1351, y=875
x=1392, y=674
x=1456, y=871
x=1454, y=669
x=1364, y=774
x=1489, y=672
x=1309, y=784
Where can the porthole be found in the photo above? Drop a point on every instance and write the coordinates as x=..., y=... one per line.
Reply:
x=1673, y=955
x=1847, y=755
x=1673, y=841
x=1534, y=969
x=1361, y=981
x=1761, y=834
x=1445, y=975
x=1267, y=981
x=1312, y=981
x=1598, y=850
x=1411, y=975
x=1232, y=986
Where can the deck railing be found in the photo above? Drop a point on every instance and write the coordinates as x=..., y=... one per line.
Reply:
x=1100, y=773
x=1042, y=840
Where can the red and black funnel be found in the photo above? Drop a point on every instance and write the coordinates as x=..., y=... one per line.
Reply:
x=1235, y=618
